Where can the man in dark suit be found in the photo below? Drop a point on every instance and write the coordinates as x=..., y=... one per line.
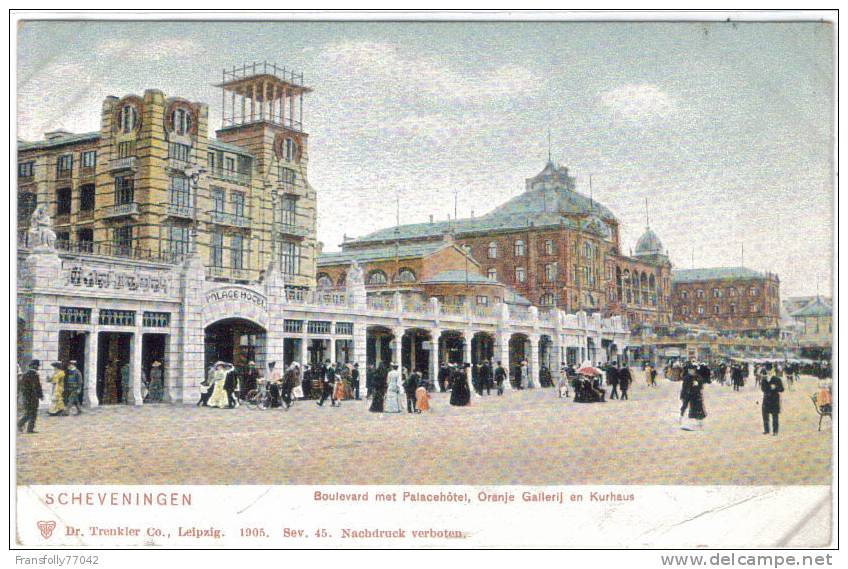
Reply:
x=230, y=387
x=772, y=388
x=444, y=373
x=500, y=378
x=612, y=381
x=354, y=380
x=410, y=384
x=624, y=381
x=486, y=377
x=31, y=393
x=327, y=383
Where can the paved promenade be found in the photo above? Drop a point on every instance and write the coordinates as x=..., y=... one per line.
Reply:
x=526, y=437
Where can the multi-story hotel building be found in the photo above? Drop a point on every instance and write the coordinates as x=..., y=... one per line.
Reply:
x=149, y=240
x=728, y=299
x=152, y=184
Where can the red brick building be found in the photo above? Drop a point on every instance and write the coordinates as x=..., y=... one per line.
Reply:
x=734, y=299
x=556, y=247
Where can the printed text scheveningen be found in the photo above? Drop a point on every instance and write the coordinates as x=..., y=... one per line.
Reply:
x=118, y=498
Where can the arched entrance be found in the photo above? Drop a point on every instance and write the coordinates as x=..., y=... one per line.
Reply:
x=452, y=347
x=236, y=341
x=414, y=355
x=519, y=351
x=378, y=345
x=482, y=348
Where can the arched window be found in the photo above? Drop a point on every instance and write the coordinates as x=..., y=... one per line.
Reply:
x=492, y=274
x=493, y=250
x=406, y=275
x=519, y=248
x=129, y=118
x=181, y=119
x=377, y=278
x=324, y=280
x=731, y=291
x=716, y=309
x=700, y=293
x=342, y=279
x=716, y=293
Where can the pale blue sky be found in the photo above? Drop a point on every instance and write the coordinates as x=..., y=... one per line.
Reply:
x=725, y=128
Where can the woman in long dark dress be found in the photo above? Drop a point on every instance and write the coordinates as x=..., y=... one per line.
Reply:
x=694, y=388
x=379, y=390
x=460, y=394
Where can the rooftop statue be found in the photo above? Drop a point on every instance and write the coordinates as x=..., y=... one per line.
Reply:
x=41, y=234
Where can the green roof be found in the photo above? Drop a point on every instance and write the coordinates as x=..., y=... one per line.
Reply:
x=379, y=253
x=24, y=145
x=468, y=226
x=816, y=308
x=460, y=277
x=716, y=273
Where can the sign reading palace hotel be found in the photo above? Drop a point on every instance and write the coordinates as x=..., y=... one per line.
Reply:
x=236, y=293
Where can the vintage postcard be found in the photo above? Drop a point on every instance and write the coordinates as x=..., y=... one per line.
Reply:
x=458, y=281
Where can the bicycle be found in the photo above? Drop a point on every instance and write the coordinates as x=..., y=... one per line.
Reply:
x=259, y=398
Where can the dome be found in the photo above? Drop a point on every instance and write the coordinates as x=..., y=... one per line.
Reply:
x=649, y=244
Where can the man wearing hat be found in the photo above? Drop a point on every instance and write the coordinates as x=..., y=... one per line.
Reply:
x=30, y=390
x=73, y=388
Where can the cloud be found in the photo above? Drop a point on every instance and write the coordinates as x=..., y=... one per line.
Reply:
x=638, y=102
x=421, y=76
x=151, y=51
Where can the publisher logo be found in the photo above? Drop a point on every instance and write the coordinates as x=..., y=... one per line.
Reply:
x=46, y=528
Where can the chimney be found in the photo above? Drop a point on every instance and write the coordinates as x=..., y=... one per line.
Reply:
x=56, y=135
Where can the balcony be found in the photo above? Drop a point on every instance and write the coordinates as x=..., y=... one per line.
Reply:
x=85, y=215
x=224, y=218
x=229, y=273
x=120, y=210
x=177, y=165
x=183, y=211
x=64, y=174
x=290, y=230
x=127, y=164
x=230, y=176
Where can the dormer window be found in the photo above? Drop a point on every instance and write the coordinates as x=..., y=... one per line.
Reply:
x=129, y=118
x=181, y=119
x=290, y=150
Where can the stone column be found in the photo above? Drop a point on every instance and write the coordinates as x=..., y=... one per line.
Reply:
x=435, y=333
x=277, y=303
x=533, y=372
x=467, y=336
x=135, y=397
x=360, y=340
x=304, y=351
x=191, y=339
x=502, y=355
x=398, y=341
x=332, y=347
x=90, y=371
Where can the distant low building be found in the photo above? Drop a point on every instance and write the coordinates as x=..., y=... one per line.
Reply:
x=814, y=328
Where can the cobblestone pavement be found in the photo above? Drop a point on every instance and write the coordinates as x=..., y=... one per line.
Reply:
x=524, y=437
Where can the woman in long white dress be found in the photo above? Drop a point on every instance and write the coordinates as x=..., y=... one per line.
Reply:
x=394, y=392
x=219, y=394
